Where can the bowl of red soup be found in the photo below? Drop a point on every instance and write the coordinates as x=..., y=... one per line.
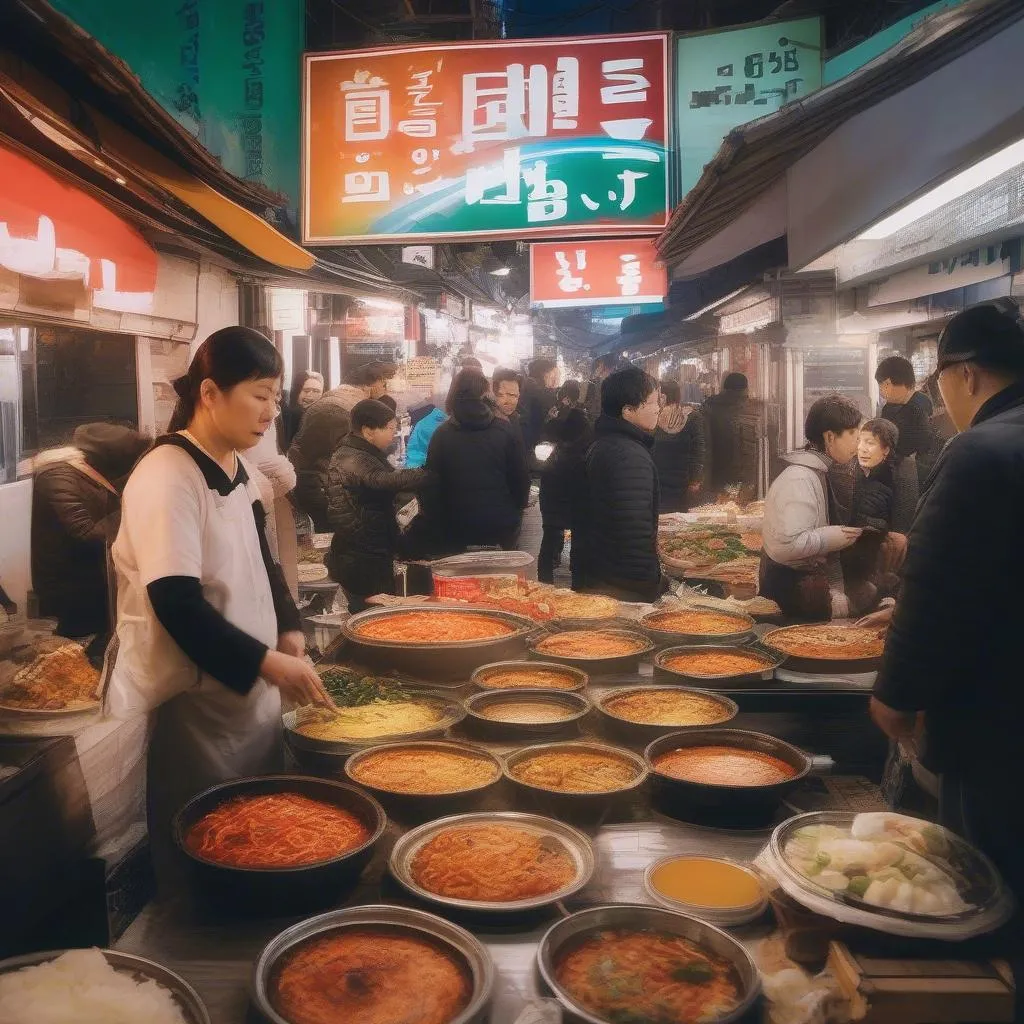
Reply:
x=737, y=777
x=273, y=845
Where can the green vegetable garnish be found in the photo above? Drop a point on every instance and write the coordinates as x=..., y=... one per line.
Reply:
x=822, y=859
x=697, y=972
x=858, y=885
x=351, y=689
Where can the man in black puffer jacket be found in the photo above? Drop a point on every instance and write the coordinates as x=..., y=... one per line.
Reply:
x=620, y=529
x=361, y=492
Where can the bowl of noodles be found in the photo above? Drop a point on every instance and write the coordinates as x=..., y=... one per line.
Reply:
x=610, y=965
x=377, y=963
x=277, y=844
x=493, y=861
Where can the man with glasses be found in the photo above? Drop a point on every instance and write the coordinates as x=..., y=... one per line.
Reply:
x=620, y=528
x=951, y=678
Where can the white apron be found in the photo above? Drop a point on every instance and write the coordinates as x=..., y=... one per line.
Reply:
x=203, y=733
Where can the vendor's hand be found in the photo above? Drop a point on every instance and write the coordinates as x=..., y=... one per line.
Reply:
x=296, y=678
x=877, y=620
x=838, y=538
x=292, y=643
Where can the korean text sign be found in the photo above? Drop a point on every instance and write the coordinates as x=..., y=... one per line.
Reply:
x=504, y=138
x=590, y=273
x=725, y=79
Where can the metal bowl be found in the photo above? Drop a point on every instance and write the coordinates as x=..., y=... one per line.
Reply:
x=269, y=892
x=579, y=677
x=452, y=712
x=644, y=732
x=740, y=805
x=560, y=798
x=444, y=660
x=434, y=801
x=575, y=928
x=193, y=1009
x=602, y=665
x=574, y=842
x=574, y=707
x=819, y=666
x=664, y=674
x=400, y=919
x=743, y=631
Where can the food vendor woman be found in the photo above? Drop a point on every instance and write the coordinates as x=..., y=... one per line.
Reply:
x=208, y=636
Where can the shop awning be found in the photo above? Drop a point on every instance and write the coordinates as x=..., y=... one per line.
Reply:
x=821, y=169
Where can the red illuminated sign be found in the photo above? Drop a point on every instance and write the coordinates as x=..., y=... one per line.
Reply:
x=615, y=272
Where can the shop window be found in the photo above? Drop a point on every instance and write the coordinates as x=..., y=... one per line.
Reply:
x=70, y=377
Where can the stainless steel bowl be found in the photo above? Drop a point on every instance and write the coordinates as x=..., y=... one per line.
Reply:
x=527, y=753
x=575, y=928
x=444, y=660
x=663, y=674
x=353, y=763
x=644, y=732
x=605, y=665
x=419, y=922
x=193, y=1009
x=572, y=705
x=479, y=677
x=743, y=631
x=451, y=711
x=574, y=842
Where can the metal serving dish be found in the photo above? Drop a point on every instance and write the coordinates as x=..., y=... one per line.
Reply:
x=574, y=842
x=740, y=805
x=479, y=677
x=573, y=705
x=644, y=732
x=567, y=801
x=434, y=802
x=599, y=666
x=398, y=919
x=269, y=892
x=571, y=930
x=819, y=666
x=193, y=1009
x=444, y=660
x=663, y=674
x=743, y=631
x=452, y=712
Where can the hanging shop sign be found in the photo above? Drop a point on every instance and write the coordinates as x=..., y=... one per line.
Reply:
x=226, y=70
x=422, y=372
x=495, y=139
x=419, y=255
x=725, y=79
x=365, y=322
x=596, y=273
x=452, y=304
x=52, y=231
x=975, y=266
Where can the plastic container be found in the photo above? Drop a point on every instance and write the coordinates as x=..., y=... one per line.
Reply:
x=326, y=628
x=484, y=563
x=723, y=917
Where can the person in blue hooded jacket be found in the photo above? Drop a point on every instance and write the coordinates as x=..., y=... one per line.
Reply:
x=419, y=439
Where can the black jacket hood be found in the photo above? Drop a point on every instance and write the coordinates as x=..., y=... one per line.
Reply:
x=472, y=413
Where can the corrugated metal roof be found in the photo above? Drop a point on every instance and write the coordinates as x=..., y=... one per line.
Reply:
x=755, y=156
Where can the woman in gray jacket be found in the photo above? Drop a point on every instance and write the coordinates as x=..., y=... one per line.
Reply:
x=800, y=567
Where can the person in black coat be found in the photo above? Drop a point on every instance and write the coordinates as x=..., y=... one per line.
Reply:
x=679, y=451
x=949, y=683
x=620, y=526
x=76, y=507
x=361, y=491
x=483, y=483
x=538, y=399
x=307, y=389
x=910, y=410
x=563, y=484
x=734, y=429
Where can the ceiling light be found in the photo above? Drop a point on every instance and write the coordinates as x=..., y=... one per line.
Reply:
x=502, y=271
x=959, y=185
x=121, y=181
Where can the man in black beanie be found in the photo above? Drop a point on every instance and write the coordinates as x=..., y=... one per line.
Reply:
x=950, y=681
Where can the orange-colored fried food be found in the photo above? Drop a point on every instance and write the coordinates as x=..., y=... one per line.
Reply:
x=576, y=771
x=643, y=976
x=543, y=678
x=492, y=864
x=845, y=643
x=278, y=830
x=667, y=707
x=424, y=771
x=724, y=766
x=697, y=622
x=717, y=663
x=60, y=677
x=434, y=627
x=370, y=975
x=588, y=643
